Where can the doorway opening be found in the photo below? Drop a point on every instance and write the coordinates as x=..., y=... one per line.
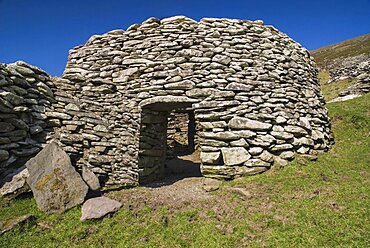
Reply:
x=167, y=145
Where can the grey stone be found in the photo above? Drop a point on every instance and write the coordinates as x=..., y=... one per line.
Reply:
x=58, y=115
x=99, y=207
x=6, y=226
x=238, y=87
x=12, y=98
x=280, y=162
x=90, y=178
x=227, y=135
x=183, y=85
x=4, y=155
x=245, y=123
x=15, y=183
x=36, y=129
x=255, y=150
x=210, y=184
x=210, y=157
x=282, y=135
x=6, y=127
x=239, y=142
x=255, y=162
x=234, y=155
x=55, y=184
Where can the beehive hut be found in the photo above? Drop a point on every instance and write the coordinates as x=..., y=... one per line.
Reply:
x=247, y=93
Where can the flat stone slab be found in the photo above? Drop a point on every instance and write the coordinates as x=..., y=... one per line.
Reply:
x=15, y=183
x=162, y=103
x=90, y=178
x=55, y=183
x=97, y=208
x=235, y=155
x=8, y=225
x=245, y=123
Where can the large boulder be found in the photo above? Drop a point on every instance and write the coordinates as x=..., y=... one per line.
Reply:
x=55, y=183
x=98, y=207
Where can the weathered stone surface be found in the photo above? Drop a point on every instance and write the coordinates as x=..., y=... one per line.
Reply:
x=243, y=84
x=220, y=135
x=15, y=183
x=238, y=87
x=4, y=155
x=210, y=184
x=234, y=155
x=8, y=225
x=97, y=208
x=55, y=184
x=6, y=127
x=183, y=85
x=90, y=179
x=210, y=157
x=245, y=123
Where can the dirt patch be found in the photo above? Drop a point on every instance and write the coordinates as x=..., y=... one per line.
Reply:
x=178, y=194
x=181, y=187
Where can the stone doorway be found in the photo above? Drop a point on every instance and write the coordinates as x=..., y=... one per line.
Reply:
x=167, y=143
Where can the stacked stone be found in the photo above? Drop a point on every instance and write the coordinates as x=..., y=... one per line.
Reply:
x=254, y=92
x=25, y=94
x=181, y=138
x=89, y=120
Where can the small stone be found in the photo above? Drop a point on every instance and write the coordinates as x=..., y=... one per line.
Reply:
x=12, y=98
x=4, y=155
x=240, y=142
x=280, y=162
x=100, y=128
x=12, y=223
x=220, y=135
x=58, y=115
x=15, y=183
x=210, y=157
x=282, y=135
x=288, y=155
x=254, y=151
x=6, y=127
x=245, y=123
x=183, y=85
x=210, y=184
x=72, y=106
x=36, y=129
x=234, y=155
x=221, y=59
x=244, y=193
x=99, y=207
x=238, y=87
x=90, y=178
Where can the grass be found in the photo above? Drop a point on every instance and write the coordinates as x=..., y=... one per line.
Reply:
x=307, y=204
x=332, y=90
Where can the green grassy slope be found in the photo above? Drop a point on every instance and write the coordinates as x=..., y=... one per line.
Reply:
x=307, y=204
x=347, y=48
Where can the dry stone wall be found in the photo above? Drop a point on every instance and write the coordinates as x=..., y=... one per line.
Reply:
x=25, y=95
x=253, y=91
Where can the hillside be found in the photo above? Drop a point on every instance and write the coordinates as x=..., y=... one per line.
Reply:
x=344, y=68
x=349, y=48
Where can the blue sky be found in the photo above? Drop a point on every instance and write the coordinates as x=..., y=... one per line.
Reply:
x=41, y=32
